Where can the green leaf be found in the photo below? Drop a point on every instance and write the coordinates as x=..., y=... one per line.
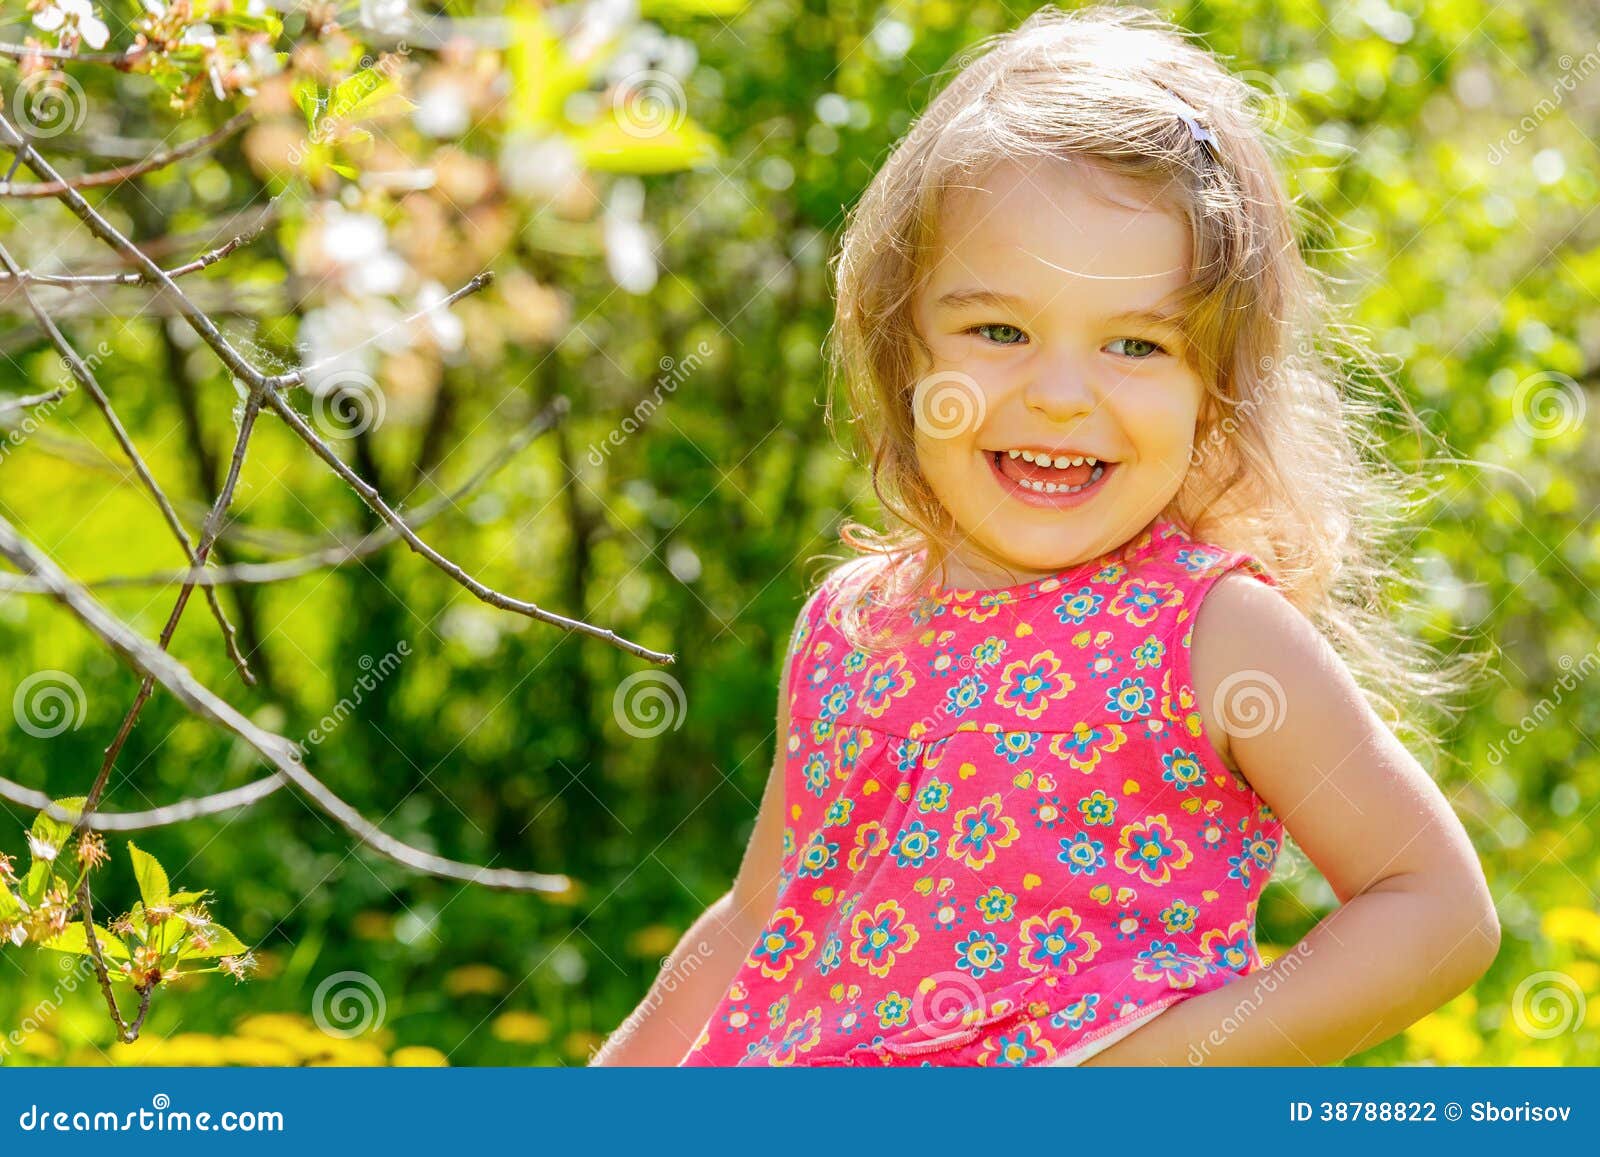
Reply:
x=56, y=832
x=10, y=906
x=223, y=943
x=73, y=940
x=37, y=882
x=153, y=887
x=184, y=899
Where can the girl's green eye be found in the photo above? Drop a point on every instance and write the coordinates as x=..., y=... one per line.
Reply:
x=1150, y=348
x=999, y=333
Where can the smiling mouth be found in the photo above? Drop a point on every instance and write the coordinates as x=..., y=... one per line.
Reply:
x=1038, y=473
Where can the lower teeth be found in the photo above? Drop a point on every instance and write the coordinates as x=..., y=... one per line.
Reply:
x=1053, y=488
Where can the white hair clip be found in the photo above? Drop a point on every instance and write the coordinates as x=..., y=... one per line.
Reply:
x=1198, y=131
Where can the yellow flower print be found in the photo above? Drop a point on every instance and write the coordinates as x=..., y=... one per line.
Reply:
x=1057, y=941
x=1028, y=685
x=782, y=945
x=1231, y=949
x=877, y=936
x=1150, y=851
x=799, y=1037
x=1084, y=746
x=979, y=832
x=1016, y=1048
x=871, y=840
x=987, y=607
x=894, y=1011
x=1140, y=600
x=884, y=683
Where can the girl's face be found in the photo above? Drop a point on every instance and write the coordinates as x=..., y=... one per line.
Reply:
x=1057, y=418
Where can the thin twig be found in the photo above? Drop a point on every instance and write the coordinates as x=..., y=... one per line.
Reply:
x=28, y=400
x=494, y=598
x=116, y=176
x=161, y=817
x=335, y=555
x=202, y=550
x=75, y=280
x=281, y=753
x=242, y=368
x=85, y=376
x=122, y=61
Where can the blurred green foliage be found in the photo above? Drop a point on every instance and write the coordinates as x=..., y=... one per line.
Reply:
x=1473, y=262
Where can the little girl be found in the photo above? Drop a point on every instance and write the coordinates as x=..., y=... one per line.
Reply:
x=1041, y=744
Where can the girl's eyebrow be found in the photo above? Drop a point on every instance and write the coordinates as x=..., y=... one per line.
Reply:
x=961, y=298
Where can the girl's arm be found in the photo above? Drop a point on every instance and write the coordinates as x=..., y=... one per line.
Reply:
x=1416, y=924
x=697, y=972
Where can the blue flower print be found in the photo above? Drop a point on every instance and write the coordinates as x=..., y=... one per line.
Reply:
x=1047, y=812
x=926, y=610
x=1130, y=699
x=1077, y=1014
x=838, y=813
x=854, y=662
x=1149, y=653
x=1196, y=559
x=817, y=774
x=1016, y=745
x=1262, y=850
x=849, y=747
x=906, y=752
x=1179, y=916
x=1183, y=769
x=915, y=846
x=1076, y=606
x=1082, y=855
x=965, y=696
x=818, y=856
x=948, y=915
x=1106, y=664
x=981, y=953
x=1098, y=808
x=1130, y=924
x=832, y=954
x=997, y=905
x=934, y=796
x=947, y=659
x=837, y=701
x=989, y=652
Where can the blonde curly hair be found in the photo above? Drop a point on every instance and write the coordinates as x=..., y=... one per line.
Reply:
x=1289, y=461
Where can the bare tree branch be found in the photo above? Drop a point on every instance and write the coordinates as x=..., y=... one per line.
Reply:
x=85, y=376
x=241, y=368
x=281, y=753
x=28, y=400
x=334, y=555
x=72, y=281
x=174, y=813
x=158, y=160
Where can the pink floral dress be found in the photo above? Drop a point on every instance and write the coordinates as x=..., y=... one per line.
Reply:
x=1006, y=842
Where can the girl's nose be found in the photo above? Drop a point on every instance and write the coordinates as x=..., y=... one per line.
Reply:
x=1060, y=391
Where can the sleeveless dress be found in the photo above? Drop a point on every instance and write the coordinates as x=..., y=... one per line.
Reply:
x=1009, y=842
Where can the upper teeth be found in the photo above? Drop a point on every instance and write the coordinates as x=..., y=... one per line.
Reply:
x=1060, y=462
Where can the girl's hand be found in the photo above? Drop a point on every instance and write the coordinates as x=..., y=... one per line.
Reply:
x=1417, y=924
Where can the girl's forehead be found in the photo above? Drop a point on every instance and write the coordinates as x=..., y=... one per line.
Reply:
x=1035, y=224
